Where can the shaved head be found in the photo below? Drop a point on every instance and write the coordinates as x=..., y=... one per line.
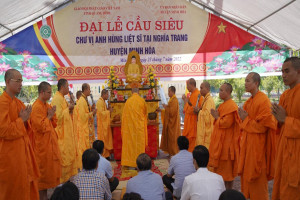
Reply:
x=295, y=62
x=43, y=86
x=228, y=87
x=85, y=86
x=191, y=85
x=44, y=90
x=225, y=91
x=86, y=90
x=10, y=74
x=204, y=88
x=13, y=81
x=192, y=82
x=104, y=91
x=206, y=84
x=61, y=82
x=255, y=77
x=135, y=90
x=78, y=94
x=291, y=72
x=173, y=89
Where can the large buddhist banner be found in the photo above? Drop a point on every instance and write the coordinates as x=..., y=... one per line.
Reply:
x=176, y=38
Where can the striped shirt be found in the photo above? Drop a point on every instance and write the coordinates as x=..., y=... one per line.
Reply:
x=92, y=185
x=181, y=165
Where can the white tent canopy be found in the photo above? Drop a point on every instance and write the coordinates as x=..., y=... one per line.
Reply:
x=277, y=21
x=16, y=15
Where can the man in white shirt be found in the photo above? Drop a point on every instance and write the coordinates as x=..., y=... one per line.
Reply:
x=202, y=184
x=104, y=165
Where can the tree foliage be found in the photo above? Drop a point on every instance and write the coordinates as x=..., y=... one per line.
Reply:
x=269, y=83
x=29, y=93
x=238, y=85
x=1, y=89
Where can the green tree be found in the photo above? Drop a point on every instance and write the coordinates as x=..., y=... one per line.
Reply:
x=269, y=83
x=1, y=89
x=215, y=84
x=29, y=93
x=280, y=87
x=238, y=85
x=53, y=89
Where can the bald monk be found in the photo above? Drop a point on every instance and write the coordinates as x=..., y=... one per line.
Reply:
x=75, y=124
x=85, y=120
x=287, y=165
x=18, y=169
x=171, y=124
x=257, y=125
x=205, y=119
x=66, y=135
x=43, y=122
x=134, y=129
x=224, y=148
x=78, y=95
x=103, y=122
x=190, y=119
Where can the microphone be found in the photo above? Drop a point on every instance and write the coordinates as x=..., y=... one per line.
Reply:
x=199, y=95
x=92, y=98
x=71, y=98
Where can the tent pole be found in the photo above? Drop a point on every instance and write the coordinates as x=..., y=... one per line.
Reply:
x=266, y=17
x=7, y=28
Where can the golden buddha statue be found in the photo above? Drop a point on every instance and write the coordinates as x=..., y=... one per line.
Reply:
x=133, y=68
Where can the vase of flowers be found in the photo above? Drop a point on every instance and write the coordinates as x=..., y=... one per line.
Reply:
x=153, y=81
x=151, y=77
x=112, y=82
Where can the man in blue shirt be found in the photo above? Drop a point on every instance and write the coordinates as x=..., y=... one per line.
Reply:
x=181, y=165
x=104, y=165
x=148, y=184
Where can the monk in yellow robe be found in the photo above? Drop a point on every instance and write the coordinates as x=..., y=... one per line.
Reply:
x=78, y=95
x=224, y=148
x=43, y=122
x=18, y=169
x=190, y=119
x=103, y=121
x=75, y=124
x=85, y=120
x=171, y=124
x=257, y=126
x=287, y=164
x=205, y=121
x=66, y=135
x=134, y=129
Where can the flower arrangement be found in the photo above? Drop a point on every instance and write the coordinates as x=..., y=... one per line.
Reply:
x=153, y=82
x=112, y=79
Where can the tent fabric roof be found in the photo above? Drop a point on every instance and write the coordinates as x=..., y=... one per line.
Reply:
x=277, y=21
x=16, y=15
